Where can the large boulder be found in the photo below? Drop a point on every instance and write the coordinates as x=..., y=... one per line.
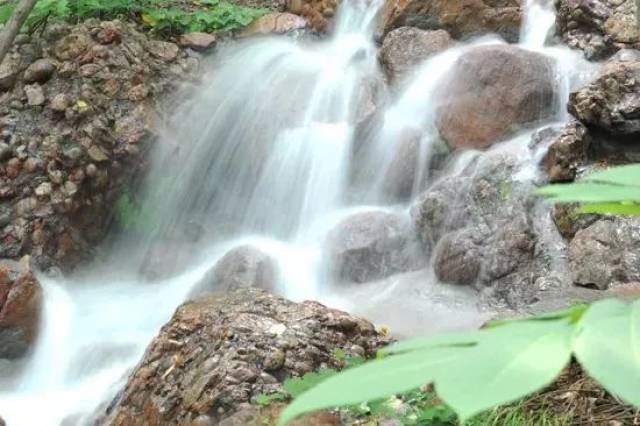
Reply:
x=20, y=308
x=462, y=19
x=73, y=128
x=493, y=91
x=611, y=103
x=319, y=13
x=372, y=245
x=607, y=253
x=598, y=27
x=241, y=267
x=218, y=353
x=405, y=48
x=275, y=23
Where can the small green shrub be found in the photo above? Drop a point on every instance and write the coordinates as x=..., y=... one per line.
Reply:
x=159, y=15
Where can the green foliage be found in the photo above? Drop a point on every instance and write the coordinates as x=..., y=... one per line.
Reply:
x=614, y=191
x=476, y=371
x=210, y=15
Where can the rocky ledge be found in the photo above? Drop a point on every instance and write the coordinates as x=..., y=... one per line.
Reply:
x=219, y=352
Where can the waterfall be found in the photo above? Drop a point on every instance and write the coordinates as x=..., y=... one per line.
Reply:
x=262, y=154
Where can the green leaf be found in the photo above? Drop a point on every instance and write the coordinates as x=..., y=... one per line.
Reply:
x=508, y=363
x=590, y=192
x=629, y=209
x=608, y=347
x=621, y=175
x=296, y=386
x=373, y=380
x=452, y=339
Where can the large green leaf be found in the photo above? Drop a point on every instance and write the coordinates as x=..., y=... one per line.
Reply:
x=590, y=192
x=608, y=347
x=508, y=363
x=628, y=209
x=375, y=380
x=621, y=175
x=454, y=339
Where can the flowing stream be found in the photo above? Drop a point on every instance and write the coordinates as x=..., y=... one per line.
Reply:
x=261, y=155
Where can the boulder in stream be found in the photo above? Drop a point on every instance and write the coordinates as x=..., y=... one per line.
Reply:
x=373, y=245
x=598, y=27
x=461, y=18
x=219, y=352
x=493, y=91
x=20, y=308
x=611, y=103
x=405, y=48
x=607, y=253
x=567, y=153
x=241, y=267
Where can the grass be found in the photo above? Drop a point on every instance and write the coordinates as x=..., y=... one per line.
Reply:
x=168, y=16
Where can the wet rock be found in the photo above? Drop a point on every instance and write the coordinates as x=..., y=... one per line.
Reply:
x=462, y=19
x=458, y=258
x=319, y=13
x=275, y=23
x=40, y=71
x=35, y=94
x=569, y=221
x=405, y=48
x=611, y=102
x=399, y=179
x=209, y=359
x=607, y=253
x=9, y=70
x=493, y=91
x=197, y=41
x=242, y=267
x=567, y=153
x=598, y=27
x=20, y=308
x=372, y=245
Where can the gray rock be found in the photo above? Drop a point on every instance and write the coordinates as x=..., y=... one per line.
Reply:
x=372, y=245
x=458, y=258
x=40, y=71
x=598, y=27
x=35, y=94
x=210, y=357
x=241, y=267
x=405, y=48
x=612, y=102
x=607, y=253
x=9, y=70
x=491, y=92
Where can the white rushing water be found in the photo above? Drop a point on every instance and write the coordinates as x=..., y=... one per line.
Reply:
x=261, y=155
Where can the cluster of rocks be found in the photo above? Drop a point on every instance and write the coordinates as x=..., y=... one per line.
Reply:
x=220, y=352
x=77, y=111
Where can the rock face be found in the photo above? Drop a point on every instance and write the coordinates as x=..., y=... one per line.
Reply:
x=598, y=27
x=607, y=253
x=481, y=227
x=567, y=153
x=405, y=48
x=612, y=102
x=372, y=245
x=222, y=351
x=73, y=122
x=462, y=19
x=491, y=92
x=20, y=308
x=242, y=267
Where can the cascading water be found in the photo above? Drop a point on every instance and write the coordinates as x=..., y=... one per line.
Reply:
x=261, y=155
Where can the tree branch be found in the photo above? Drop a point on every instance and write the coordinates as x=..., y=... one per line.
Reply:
x=11, y=30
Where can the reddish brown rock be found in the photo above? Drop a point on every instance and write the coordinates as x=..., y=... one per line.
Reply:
x=491, y=92
x=461, y=18
x=275, y=23
x=219, y=352
x=567, y=153
x=319, y=13
x=20, y=308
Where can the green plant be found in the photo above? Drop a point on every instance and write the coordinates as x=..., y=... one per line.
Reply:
x=210, y=15
x=476, y=371
x=615, y=190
